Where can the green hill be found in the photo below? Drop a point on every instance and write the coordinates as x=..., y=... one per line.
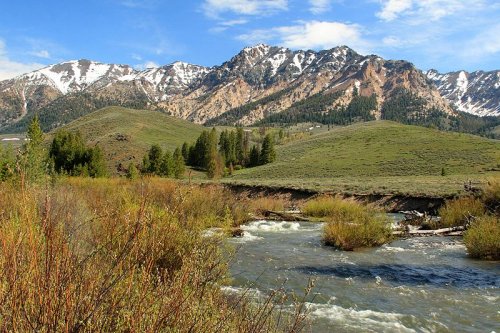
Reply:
x=380, y=156
x=126, y=134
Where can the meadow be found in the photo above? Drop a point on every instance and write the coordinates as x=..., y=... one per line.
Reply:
x=380, y=157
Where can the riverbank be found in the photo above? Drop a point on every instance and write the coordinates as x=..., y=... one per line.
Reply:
x=391, y=203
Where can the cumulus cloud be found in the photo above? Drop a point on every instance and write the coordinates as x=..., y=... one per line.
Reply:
x=214, y=8
x=319, y=6
x=312, y=35
x=10, y=68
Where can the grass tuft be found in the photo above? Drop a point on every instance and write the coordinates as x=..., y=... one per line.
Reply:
x=459, y=212
x=351, y=225
x=482, y=239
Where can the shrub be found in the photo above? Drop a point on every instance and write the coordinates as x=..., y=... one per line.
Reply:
x=263, y=203
x=324, y=206
x=352, y=225
x=118, y=256
x=482, y=239
x=459, y=212
x=491, y=196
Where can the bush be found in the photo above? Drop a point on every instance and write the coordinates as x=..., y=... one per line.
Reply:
x=459, y=212
x=352, y=225
x=482, y=239
x=118, y=256
x=322, y=207
x=491, y=196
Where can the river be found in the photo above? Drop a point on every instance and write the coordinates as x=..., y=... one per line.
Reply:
x=425, y=284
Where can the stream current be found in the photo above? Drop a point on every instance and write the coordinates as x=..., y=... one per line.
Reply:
x=424, y=284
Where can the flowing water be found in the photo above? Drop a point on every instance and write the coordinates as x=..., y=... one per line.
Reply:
x=411, y=285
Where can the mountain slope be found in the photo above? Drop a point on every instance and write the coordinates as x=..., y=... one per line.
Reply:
x=264, y=80
x=476, y=93
x=126, y=134
x=380, y=154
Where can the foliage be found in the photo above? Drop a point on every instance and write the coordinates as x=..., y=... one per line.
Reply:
x=71, y=156
x=67, y=108
x=318, y=109
x=7, y=163
x=461, y=211
x=32, y=160
x=267, y=153
x=352, y=225
x=178, y=163
x=491, y=196
x=132, y=171
x=482, y=239
x=119, y=256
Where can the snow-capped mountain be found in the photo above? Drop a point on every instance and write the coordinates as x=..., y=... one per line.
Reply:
x=279, y=75
x=476, y=93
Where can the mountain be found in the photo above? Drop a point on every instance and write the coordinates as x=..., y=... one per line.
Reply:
x=476, y=93
x=257, y=84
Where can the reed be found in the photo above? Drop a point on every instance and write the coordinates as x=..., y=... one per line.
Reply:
x=110, y=255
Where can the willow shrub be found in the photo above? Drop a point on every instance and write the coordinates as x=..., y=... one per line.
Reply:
x=351, y=225
x=482, y=239
x=461, y=211
x=118, y=256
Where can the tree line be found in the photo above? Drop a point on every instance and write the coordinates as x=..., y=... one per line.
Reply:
x=217, y=154
x=67, y=155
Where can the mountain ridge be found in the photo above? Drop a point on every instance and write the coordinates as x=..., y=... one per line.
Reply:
x=199, y=93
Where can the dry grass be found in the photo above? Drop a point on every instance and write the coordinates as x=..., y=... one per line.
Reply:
x=483, y=238
x=117, y=256
x=268, y=203
x=491, y=195
x=352, y=225
x=461, y=211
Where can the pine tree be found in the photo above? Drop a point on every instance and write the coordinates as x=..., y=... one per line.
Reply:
x=166, y=168
x=132, y=172
x=267, y=153
x=185, y=152
x=179, y=166
x=254, y=158
x=155, y=156
x=33, y=158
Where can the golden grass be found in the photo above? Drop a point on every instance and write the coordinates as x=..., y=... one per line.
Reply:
x=109, y=255
x=351, y=225
x=460, y=211
x=482, y=239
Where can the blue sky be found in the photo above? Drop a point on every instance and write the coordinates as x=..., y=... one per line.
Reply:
x=442, y=34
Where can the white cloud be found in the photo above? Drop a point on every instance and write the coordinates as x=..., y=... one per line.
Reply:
x=319, y=6
x=486, y=43
x=41, y=54
x=213, y=8
x=391, y=9
x=423, y=11
x=10, y=68
x=146, y=65
x=312, y=35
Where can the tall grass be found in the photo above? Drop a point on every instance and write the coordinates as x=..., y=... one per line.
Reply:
x=461, y=211
x=118, y=256
x=350, y=225
x=491, y=196
x=482, y=239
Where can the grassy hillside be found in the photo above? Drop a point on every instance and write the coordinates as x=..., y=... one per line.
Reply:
x=380, y=156
x=126, y=134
